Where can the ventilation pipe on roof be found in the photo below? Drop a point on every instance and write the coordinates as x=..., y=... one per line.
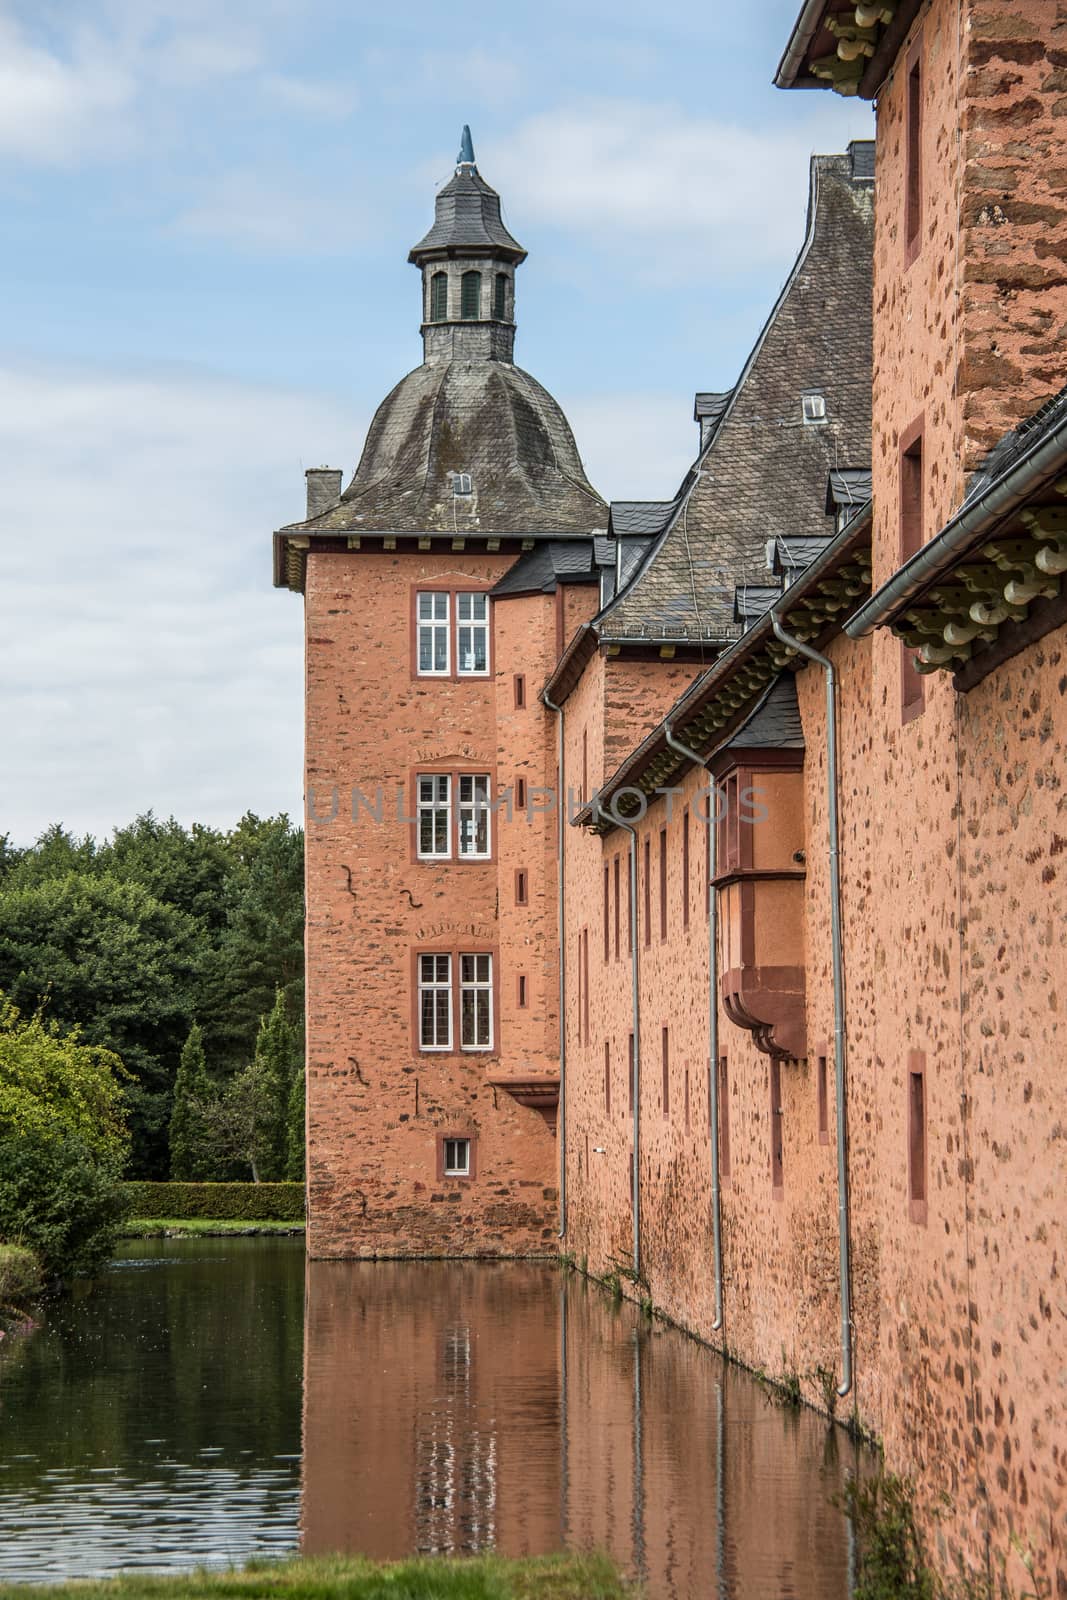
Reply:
x=561, y=819
x=681, y=749
x=844, y=1249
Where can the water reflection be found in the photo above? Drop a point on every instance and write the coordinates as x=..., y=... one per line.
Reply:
x=447, y=1407
x=464, y=1407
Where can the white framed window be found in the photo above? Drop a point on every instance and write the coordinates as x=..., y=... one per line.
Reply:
x=813, y=405
x=434, y=657
x=476, y=1002
x=435, y=1002
x=472, y=635
x=457, y=1158
x=475, y=835
x=434, y=817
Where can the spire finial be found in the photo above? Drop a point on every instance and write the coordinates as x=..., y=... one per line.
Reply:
x=466, y=149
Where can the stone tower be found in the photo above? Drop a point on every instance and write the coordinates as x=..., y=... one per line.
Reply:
x=438, y=589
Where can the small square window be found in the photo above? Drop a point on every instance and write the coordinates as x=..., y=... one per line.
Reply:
x=457, y=1158
x=813, y=406
x=461, y=483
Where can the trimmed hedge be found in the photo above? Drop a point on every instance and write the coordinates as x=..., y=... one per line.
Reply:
x=230, y=1202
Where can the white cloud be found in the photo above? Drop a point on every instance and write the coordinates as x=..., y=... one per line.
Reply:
x=687, y=196
x=55, y=110
x=147, y=659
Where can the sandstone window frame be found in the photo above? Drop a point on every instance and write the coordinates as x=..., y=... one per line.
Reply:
x=911, y=493
x=454, y=592
x=433, y=978
x=455, y=953
x=480, y=988
x=918, y=1155
x=433, y=627
x=457, y=856
x=442, y=1140
x=913, y=150
x=434, y=806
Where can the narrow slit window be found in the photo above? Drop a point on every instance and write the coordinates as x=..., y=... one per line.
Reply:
x=439, y=297
x=522, y=887
x=470, y=303
x=434, y=817
x=666, y=1050
x=520, y=794
x=615, y=877
x=522, y=991
x=913, y=158
x=687, y=1099
x=607, y=1078
x=585, y=981
x=630, y=1069
x=476, y=1002
x=823, y=1102
x=520, y=691
x=607, y=912
x=917, y=1136
x=724, y=1118
x=777, y=1152
x=435, y=1002
x=630, y=904
x=912, y=688
x=475, y=838
x=500, y=296
x=648, y=891
x=433, y=652
x=685, y=868
x=663, y=883
x=472, y=635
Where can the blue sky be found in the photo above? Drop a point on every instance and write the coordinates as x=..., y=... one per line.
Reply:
x=207, y=210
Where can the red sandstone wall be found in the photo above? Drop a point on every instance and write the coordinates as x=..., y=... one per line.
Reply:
x=375, y=1104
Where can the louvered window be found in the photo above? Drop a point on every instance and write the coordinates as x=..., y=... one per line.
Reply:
x=471, y=295
x=500, y=296
x=439, y=297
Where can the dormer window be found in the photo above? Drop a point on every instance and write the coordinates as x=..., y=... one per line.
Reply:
x=500, y=296
x=439, y=297
x=470, y=306
x=813, y=405
x=461, y=484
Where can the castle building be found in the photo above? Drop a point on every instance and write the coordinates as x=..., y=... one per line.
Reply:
x=793, y=964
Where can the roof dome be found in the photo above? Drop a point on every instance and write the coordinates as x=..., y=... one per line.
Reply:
x=488, y=420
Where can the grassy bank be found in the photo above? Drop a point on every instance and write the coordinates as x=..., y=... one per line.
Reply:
x=185, y=1227
x=351, y=1578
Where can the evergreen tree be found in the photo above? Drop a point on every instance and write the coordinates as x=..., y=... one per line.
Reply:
x=296, y=1155
x=275, y=1061
x=192, y=1091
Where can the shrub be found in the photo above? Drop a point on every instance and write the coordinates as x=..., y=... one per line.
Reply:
x=62, y=1199
x=232, y=1202
x=20, y=1274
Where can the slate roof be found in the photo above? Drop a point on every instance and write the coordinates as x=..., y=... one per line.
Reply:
x=483, y=417
x=761, y=458
x=847, y=486
x=467, y=217
x=640, y=516
x=751, y=600
x=554, y=561
x=793, y=555
x=775, y=722
x=709, y=407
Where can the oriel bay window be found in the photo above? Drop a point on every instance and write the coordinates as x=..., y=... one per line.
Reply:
x=455, y=1000
x=453, y=816
x=451, y=634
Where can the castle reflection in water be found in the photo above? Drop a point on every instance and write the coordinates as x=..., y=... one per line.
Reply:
x=455, y=1408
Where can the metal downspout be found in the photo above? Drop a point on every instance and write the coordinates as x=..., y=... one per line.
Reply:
x=681, y=749
x=844, y=1248
x=561, y=822
x=635, y=1064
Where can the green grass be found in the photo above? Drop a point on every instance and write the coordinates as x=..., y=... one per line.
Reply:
x=563, y=1577
x=158, y=1227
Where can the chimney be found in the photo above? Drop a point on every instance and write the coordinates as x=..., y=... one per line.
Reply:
x=324, y=489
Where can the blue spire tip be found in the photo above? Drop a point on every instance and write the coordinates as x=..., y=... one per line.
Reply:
x=466, y=149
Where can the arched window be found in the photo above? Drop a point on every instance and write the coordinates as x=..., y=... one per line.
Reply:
x=439, y=297
x=470, y=305
x=500, y=296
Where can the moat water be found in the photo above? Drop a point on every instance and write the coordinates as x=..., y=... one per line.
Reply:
x=212, y=1400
